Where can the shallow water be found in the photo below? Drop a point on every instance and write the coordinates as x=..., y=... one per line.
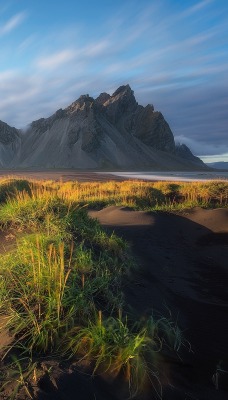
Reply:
x=175, y=175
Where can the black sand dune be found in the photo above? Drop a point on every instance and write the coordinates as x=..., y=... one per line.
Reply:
x=183, y=263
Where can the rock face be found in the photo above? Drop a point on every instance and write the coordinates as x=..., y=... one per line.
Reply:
x=10, y=143
x=110, y=132
x=183, y=151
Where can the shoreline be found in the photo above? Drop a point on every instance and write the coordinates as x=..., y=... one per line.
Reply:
x=85, y=175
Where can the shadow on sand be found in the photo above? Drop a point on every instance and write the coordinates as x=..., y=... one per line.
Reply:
x=183, y=269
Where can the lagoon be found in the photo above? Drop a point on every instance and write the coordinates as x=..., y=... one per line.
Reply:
x=189, y=176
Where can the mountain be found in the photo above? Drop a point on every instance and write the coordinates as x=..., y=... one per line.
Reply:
x=109, y=132
x=218, y=165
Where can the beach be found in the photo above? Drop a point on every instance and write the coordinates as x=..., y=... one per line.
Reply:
x=102, y=176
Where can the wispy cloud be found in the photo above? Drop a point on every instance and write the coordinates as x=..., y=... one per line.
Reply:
x=26, y=43
x=215, y=157
x=12, y=23
x=55, y=60
x=96, y=49
x=195, y=8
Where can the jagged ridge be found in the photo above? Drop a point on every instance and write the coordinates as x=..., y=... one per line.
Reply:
x=109, y=132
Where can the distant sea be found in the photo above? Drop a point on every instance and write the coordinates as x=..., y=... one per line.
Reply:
x=175, y=176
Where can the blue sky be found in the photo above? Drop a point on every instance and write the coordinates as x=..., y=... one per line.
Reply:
x=173, y=54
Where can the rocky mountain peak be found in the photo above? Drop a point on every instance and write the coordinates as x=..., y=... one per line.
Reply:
x=102, y=98
x=85, y=101
x=150, y=107
x=121, y=102
x=124, y=90
x=183, y=149
x=184, y=152
x=85, y=98
x=123, y=94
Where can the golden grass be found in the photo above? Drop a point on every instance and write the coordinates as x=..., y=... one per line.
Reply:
x=137, y=194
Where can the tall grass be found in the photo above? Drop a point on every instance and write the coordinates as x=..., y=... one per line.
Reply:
x=147, y=195
x=134, y=194
x=36, y=294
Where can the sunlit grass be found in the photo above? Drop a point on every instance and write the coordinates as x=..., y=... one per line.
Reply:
x=135, y=194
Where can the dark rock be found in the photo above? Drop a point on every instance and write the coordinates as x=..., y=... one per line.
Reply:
x=153, y=130
x=40, y=126
x=7, y=133
x=102, y=98
x=60, y=113
x=184, y=152
x=120, y=103
x=73, y=136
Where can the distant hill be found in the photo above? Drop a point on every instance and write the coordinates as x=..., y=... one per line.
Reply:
x=109, y=132
x=219, y=165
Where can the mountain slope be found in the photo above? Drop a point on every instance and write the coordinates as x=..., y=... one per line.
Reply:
x=110, y=132
x=10, y=144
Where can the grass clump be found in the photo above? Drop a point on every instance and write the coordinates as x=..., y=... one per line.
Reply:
x=10, y=187
x=36, y=302
x=111, y=348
